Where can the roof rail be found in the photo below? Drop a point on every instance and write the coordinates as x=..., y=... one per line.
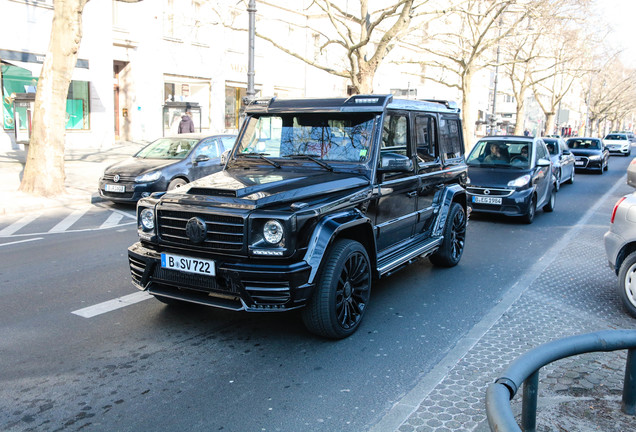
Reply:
x=446, y=103
x=262, y=103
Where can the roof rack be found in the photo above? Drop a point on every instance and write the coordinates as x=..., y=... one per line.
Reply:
x=446, y=103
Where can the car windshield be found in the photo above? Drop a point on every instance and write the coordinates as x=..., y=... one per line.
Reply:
x=616, y=137
x=329, y=136
x=552, y=146
x=584, y=143
x=167, y=148
x=500, y=153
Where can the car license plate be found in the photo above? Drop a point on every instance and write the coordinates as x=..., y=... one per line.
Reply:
x=487, y=200
x=115, y=188
x=187, y=264
x=579, y=163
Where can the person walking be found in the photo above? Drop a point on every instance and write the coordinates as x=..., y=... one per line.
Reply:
x=186, y=125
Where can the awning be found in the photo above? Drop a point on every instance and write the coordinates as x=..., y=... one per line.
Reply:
x=79, y=74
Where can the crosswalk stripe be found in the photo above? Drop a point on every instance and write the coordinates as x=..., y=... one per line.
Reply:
x=17, y=225
x=112, y=220
x=68, y=221
x=111, y=305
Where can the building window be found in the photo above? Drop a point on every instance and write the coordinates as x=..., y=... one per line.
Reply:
x=18, y=80
x=234, y=105
x=187, y=89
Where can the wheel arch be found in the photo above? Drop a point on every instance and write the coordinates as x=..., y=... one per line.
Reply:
x=622, y=254
x=452, y=194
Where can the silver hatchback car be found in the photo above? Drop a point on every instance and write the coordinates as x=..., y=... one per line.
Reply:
x=620, y=247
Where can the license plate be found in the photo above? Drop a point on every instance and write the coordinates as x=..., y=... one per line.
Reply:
x=487, y=200
x=115, y=188
x=579, y=163
x=187, y=264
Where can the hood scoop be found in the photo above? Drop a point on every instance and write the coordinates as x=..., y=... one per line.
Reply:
x=212, y=192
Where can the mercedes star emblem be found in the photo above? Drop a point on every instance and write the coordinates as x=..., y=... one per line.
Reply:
x=196, y=230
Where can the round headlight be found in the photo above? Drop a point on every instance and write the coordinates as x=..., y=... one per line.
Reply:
x=273, y=231
x=147, y=218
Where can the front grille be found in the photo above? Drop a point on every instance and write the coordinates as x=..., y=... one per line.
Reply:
x=185, y=280
x=137, y=268
x=122, y=178
x=224, y=233
x=491, y=192
x=126, y=195
x=582, y=162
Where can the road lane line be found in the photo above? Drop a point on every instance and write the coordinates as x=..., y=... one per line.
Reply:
x=68, y=221
x=111, y=305
x=112, y=220
x=19, y=224
x=21, y=241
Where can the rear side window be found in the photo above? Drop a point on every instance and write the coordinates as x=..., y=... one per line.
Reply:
x=425, y=138
x=450, y=138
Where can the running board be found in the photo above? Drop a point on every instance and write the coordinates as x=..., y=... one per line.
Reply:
x=408, y=254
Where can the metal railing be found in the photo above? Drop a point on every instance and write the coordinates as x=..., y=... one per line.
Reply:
x=525, y=370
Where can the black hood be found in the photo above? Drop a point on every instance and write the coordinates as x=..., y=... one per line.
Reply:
x=494, y=177
x=259, y=188
x=135, y=166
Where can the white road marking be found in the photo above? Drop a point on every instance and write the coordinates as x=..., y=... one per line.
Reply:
x=25, y=220
x=21, y=241
x=111, y=305
x=112, y=220
x=69, y=220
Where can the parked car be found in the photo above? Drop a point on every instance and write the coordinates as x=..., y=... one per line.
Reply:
x=620, y=247
x=630, y=135
x=562, y=160
x=618, y=143
x=590, y=153
x=511, y=175
x=165, y=164
x=631, y=173
x=319, y=198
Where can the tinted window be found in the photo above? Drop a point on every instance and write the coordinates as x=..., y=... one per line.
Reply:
x=167, y=148
x=500, y=153
x=208, y=148
x=584, y=143
x=228, y=142
x=449, y=137
x=425, y=139
x=395, y=134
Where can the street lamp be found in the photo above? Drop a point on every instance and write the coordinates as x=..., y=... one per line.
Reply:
x=251, y=9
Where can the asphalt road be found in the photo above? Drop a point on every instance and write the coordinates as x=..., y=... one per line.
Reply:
x=147, y=366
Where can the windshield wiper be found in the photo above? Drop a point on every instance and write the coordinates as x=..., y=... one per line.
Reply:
x=260, y=156
x=311, y=158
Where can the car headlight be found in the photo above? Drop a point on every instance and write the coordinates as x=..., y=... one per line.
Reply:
x=148, y=177
x=595, y=157
x=147, y=219
x=273, y=231
x=520, y=181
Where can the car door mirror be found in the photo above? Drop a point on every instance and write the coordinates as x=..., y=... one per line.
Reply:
x=202, y=158
x=393, y=162
x=543, y=163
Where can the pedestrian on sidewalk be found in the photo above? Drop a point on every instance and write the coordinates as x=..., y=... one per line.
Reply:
x=186, y=125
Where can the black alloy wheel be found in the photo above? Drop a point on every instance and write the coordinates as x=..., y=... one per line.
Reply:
x=549, y=207
x=452, y=248
x=532, y=209
x=342, y=294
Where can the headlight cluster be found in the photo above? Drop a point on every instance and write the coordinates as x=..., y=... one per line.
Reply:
x=147, y=219
x=273, y=232
x=148, y=177
x=595, y=157
x=520, y=181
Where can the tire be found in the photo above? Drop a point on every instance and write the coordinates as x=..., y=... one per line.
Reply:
x=627, y=284
x=449, y=254
x=606, y=165
x=342, y=293
x=571, y=179
x=532, y=210
x=549, y=207
x=557, y=184
x=176, y=183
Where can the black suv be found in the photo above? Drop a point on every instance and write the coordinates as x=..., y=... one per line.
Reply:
x=318, y=198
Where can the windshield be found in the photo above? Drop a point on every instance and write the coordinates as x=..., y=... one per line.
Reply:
x=500, y=153
x=616, y=137
x=167, y=148
x=584, y=143
x=332, y=136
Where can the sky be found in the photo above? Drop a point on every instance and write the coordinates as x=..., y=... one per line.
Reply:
x=621, y=17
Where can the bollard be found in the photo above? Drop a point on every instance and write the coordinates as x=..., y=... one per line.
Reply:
x=529, y=405
x=629, y=386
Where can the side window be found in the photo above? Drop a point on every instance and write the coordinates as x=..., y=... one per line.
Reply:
x=208, y=148
x=450, y=138
x=395, y=134
x=227, y=143
x=425, y=138
x=542, y=152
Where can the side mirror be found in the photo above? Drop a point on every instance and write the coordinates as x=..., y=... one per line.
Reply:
x=202, y=158
x=224, y=157
x=567, y=152
x=393, y=162
x=543, y=163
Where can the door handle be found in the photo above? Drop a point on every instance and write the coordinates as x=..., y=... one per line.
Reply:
x=412, y=194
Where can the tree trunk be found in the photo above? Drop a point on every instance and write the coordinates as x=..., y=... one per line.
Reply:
x=468, y=120
x=549, y=123
x=521, y=113
x=44, y=170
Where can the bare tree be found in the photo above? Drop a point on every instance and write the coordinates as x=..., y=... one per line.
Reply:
x=363, y=38
x=44, y=170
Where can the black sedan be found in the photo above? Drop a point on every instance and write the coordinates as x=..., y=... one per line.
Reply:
x=164, y=164
x=511, y=175
x=590, y=153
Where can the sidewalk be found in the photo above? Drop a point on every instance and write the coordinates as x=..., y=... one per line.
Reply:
x=569, y=291
x=83, y=169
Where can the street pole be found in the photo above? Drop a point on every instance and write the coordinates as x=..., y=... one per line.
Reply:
x=494, y=96
x=251, y=9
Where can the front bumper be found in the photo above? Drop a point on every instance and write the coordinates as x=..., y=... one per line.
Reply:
x=620, y=149
x=514, y=204
x=587, y=163
x=133, y=191
x=237, y=285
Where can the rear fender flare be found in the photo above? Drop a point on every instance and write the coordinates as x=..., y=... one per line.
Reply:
x=327, y=231
x=453, y=193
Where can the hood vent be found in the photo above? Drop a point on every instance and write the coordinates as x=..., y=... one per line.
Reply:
x=212, y=192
